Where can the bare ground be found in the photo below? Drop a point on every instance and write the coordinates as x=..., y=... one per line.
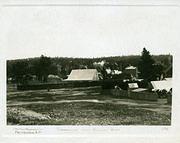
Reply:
x=83, y=106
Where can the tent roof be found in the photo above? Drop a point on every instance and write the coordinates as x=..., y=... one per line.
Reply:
x=83, y=74
x=163, y=84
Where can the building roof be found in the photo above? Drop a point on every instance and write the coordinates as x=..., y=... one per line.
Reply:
x=163, y=84
x=130, y=67
x=83, y=74
x=140, y=90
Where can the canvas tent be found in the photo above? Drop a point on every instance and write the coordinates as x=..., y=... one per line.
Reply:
x=83, y=74
x=162, y=84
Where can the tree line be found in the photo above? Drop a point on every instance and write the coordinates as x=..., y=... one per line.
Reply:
x=150, y=66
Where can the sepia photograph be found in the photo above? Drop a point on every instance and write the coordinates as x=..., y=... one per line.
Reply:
x=89, y=65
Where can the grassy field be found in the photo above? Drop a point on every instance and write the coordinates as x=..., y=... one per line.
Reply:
x=82, y=106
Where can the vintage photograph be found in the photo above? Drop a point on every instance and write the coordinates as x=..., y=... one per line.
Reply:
x=89, y=65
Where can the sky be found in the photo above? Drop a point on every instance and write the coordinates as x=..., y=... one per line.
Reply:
x=89, y=31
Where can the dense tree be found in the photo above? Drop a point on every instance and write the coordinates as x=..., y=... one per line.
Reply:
x=44, y=67
x=18, y=70
x=158, y=70
x=146, y=65
x=149, y=68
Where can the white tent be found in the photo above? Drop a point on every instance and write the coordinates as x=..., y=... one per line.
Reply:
x=162, y=84
x=83, y=74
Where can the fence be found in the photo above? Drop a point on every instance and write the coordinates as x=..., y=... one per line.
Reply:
x=63, y=84
x=169, y=98
x=150, y=96
x=106, y=84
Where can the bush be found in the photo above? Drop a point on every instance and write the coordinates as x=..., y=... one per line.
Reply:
x=162, y=93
